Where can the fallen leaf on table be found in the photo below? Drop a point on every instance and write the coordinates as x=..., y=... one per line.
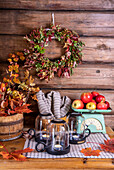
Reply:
x=16, y=155
x=5, y=154
x=108, y=146
x=90, y=152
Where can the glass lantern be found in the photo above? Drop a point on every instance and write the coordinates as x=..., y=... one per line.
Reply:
x=76, y=136
x=58, y=141
x=41, y=124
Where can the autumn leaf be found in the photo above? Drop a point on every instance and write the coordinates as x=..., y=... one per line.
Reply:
x=19, y=157
x=4, y=104
x=34, y=97
x=26, y=74
x=11, y=104
x=65, y=46
x=59, y=72
x=10, y=60
x=1, y=146
x=2, y=113
x=16, y=80
x=22, y=151
x=16, y=68
x=21, y=109
x=16, y=155
x=15, y=59
x=5, y=154
x=19, y=53
x=13, y=56
x=90, y=152
x=10, y=68
x=108, y=146
x=14, y=75
x=22, y=57
x=30, y=81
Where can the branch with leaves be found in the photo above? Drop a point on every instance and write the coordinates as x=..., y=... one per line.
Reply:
x=14, y=93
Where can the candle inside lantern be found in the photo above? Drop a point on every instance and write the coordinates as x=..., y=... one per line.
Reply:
x=45, y=136
x=75, y=137
x=58, y=147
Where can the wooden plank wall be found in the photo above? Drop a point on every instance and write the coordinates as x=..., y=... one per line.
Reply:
x=93, y=20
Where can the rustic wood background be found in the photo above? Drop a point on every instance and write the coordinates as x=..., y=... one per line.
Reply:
x=93, y=20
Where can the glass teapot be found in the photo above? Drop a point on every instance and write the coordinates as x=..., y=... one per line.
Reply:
x=75, y=136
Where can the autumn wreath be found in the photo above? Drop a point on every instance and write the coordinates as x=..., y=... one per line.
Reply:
x=35, y=55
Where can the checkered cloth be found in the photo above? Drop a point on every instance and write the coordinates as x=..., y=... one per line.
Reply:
x=74, y=149
x=53, y=103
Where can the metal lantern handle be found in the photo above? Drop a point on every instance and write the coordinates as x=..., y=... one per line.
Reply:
x=32, y=132
x=42, y=149
x=89, y=132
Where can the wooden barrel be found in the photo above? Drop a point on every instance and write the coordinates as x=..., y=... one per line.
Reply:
x=11, y=127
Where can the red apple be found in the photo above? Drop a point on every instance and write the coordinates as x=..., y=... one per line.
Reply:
x=77, y=104
x=94, y=101
x=86, y=97
x=94, y=93
x=91, y=106
x=100, y=98
x=101, y=106
x=108, y=104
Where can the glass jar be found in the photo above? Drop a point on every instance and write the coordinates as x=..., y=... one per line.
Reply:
x=41, y=123
x=77, y=136
x=58, y=141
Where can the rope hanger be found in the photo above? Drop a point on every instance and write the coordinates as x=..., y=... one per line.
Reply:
x=53, y=19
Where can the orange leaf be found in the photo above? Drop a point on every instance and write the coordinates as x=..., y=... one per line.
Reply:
x=2, y=113
x=34, y=97
x=11, y=104
x=16, y=155
x=90, y=152
x=21, y=109
x=1, y=146
x=108, y=146
x=26, y=74
x=22, y=151
x=19, y=53
x=59, y=72
x=5, y=155
x=19, y=157
x=96, y=152
x=16, y=80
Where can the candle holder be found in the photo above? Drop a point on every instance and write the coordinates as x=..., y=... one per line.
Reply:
x=41, y=124
x=75, y=137
x=58, y=141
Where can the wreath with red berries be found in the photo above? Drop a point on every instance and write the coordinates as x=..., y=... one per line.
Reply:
x=35, y=55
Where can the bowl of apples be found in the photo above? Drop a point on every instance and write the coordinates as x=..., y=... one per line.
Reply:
x=91, y=102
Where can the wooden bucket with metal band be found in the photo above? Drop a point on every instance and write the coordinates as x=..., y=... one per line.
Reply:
x=11, y=127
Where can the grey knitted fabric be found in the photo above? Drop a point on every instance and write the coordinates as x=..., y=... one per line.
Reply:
x=53, y=103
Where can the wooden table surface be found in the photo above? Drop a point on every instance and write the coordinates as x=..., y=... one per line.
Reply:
x=62, y=163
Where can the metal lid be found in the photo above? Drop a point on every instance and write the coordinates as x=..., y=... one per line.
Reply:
x=75, y=114
x=46, y=114
x=57, y=121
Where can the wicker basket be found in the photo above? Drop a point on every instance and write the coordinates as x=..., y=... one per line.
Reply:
x=11, y=127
